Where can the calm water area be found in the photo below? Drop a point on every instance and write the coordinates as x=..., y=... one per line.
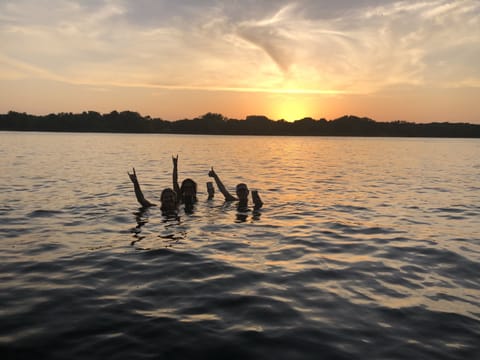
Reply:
x=366, y=248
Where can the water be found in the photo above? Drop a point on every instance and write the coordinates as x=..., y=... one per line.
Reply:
x=365, y=248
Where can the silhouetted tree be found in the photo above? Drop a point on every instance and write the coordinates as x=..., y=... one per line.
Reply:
x=213, y=123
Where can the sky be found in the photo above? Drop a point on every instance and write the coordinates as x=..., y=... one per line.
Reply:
x=388, y=60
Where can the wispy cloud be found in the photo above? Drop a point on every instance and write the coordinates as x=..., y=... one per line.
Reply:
x=211, y=45
x=273, y=35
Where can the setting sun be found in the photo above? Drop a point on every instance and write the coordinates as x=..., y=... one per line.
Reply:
x=291, y=107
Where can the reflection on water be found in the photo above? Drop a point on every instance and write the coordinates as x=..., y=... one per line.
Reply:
x=245, y=216
x=364, y=248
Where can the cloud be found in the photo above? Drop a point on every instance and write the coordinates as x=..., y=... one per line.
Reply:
x=431, y=43
x=271, y=36
x=305, y=46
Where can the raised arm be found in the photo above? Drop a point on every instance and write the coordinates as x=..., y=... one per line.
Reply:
x=257, y=201
x=138, y=192
x=176, y=187
x=221, y=187
x=210, y=190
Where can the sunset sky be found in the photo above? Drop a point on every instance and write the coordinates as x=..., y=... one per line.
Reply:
x=388, y=60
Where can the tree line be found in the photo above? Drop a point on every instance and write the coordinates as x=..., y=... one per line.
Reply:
x=213, y=123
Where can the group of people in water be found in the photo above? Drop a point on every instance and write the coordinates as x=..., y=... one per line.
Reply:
x=186, y=193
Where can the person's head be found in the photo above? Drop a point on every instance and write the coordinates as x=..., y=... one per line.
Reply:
x=168, y=198
x=242, y=191
x=188, y=190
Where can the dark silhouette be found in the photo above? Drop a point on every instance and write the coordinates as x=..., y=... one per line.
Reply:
x=241, y=191
x=169, y=201
x=169, y=198
x=211, y=123
x=138, y=191
x=187, y=192
x=210, y=190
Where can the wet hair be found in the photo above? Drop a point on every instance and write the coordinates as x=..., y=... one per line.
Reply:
x=162, y=195
x=241, y=185
x=188, y=181
x=165, y=191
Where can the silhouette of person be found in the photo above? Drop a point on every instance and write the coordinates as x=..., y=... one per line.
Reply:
x=187, y=192
x=138, y=191
x=242, y=193
x=168, y=197
x=169, y=202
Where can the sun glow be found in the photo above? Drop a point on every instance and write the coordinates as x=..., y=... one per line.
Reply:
x=292, y=107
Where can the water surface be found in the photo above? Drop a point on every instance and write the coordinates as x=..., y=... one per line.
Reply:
x=365, y=248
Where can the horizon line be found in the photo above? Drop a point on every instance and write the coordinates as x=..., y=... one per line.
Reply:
x=234, y=118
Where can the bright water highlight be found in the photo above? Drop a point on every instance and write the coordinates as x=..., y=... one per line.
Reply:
x=365, y=248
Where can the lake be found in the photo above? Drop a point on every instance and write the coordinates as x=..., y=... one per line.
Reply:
x=366, y=248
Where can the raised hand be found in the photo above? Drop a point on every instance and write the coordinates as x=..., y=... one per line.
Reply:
x=138, y=192
x=256, y=200
x=221, y=187
x=133, y=177
x=211, y=173
x=175, y=160
x=210, y=190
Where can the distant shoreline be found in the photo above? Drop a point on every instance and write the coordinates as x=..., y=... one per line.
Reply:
x=217, y=124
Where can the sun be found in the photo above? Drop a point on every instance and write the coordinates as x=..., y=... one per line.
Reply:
x=291, y=107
